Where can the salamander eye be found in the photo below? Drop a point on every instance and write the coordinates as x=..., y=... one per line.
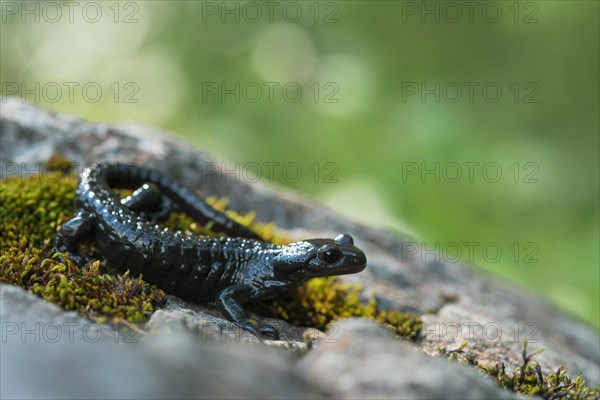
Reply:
x=329, y=254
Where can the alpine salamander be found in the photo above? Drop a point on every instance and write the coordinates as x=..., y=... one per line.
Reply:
x=228, y=271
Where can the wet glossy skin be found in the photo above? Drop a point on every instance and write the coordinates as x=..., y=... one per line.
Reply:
x=229, y=271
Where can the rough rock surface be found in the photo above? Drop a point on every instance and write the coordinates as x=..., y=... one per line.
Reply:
x=169, y=366
x=207, y=323
x=27, y=319
x=397, y=371
x=456, y=302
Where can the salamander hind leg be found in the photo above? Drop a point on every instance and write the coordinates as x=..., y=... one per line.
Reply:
x=148, y=202
x=228, y=303
x=70, y=235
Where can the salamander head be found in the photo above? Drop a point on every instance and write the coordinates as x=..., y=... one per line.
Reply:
x=321, y=257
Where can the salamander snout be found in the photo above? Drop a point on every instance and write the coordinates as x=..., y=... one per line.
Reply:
x=321, y=257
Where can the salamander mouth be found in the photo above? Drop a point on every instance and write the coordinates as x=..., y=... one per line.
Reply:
x=359, y=268
x=356, y=264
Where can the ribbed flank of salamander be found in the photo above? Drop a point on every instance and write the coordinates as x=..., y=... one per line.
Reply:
x=194, y=268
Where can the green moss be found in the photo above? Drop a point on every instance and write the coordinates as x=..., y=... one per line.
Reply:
x=32, y=211
x=320, y=301
x=529, y=379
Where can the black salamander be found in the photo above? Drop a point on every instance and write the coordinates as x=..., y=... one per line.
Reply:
x=228, y=271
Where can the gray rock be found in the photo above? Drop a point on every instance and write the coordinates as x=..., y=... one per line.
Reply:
x=170, y=366
x=456, y=301
x=205, y=322
x=362, y=361
x=26, y=319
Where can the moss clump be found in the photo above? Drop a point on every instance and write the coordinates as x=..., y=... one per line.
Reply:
x=528, y=379
x=32, y=210
x=320, y=301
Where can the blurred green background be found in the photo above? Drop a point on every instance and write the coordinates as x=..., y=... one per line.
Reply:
x=388, y=90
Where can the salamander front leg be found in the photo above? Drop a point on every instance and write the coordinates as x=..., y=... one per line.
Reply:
x=228, y=303
x=70, y=235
